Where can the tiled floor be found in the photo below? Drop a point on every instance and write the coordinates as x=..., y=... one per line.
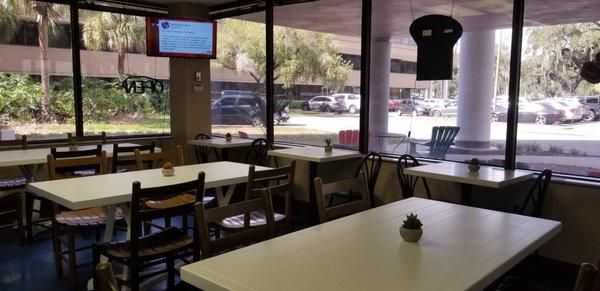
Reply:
x=31, y=267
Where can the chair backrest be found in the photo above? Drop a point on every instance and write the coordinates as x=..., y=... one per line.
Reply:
x=258, y=181
x=64, y=168
x=204, y=217
x=442, y=138
x=257, y=152
x=536, y=195
x=140, y=213
x=340, y=210
x=588, y=278
x=118, y=159
x=203, y=152
x=106, y=277
x=408, y=183
x=78, y=154
x=101, y=138
x=371, y=164
x=157, y=160
x=14, y=143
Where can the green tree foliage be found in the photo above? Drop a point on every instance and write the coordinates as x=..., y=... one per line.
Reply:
x=554, y=56
x=104, y=31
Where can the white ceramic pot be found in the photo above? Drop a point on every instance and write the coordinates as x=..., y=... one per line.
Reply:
x=474, y=168
x=168, y=172
x=411, y=235
x=228, y=138
x=72, y=148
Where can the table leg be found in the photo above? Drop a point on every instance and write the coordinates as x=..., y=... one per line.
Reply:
x=110, y=212
x=466, y=193
x=312, y=197
x=224, y=154
x=223, y=200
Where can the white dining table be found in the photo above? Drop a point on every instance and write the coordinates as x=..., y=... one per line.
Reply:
x=314, y=156
x=462, y=248
x=114, y=190
x=487, y=176
x=223, y=145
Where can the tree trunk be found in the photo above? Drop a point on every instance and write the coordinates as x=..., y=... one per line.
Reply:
x=41, y=9
x=121, y=61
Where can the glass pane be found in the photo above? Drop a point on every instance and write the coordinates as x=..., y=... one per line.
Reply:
x=318, y=55
x=36, y=83
x=113, y=48
x=440, y=119
x=238, y=78
x=561, y=132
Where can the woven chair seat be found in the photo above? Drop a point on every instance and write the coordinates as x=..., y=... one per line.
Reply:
x=12, y=183
x=157, y=244
x=176, y=201
x=89, y=217
x=257, y=218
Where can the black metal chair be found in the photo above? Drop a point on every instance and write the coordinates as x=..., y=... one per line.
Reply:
x=408, y=182
x=257, y=153
x=371, y=164
x=442, y=138
x=203, y=152
x=119, y=161
x=536, y=195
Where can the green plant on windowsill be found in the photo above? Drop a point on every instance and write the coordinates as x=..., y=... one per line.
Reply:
x=328, y=147
x=411, y=230
x=72, y=144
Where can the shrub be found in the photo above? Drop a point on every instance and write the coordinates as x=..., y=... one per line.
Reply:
x=556, y=149
x=296, y=104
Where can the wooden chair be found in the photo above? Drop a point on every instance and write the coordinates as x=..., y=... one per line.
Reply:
x=203, y=152
x=248, y=234
x=129, y=160
x=106, y=277
x=408, y=183
x=442, y=138
x=257, y=153
x=337, y=211
x=11, y=190
x=70, y=222
x=536, y=195
x=81, y=170
x=588, y=279
x=167, y=245
x=258, y=181
x=156, y=160
x=99, y=138
x=371, y=164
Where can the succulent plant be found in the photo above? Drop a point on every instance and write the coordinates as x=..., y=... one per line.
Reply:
x=412, y=222
x=328, y=141
x=228, y=135
x=71, y=141
x=474, y=161
x=168, y=165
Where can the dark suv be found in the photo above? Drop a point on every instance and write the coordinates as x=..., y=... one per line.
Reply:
x=242, y=108
x=593, y=103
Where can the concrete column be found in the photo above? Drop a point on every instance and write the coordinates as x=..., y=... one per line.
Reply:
x=380, y=89
x=475, y=88
x=445, y=89
x=430, y=91
x=190, y=111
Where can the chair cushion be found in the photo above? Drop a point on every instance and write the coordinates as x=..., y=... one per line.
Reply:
x=257, y=218
x=12, y=183
x=151, y=246
x=85, y=217
x=176, y=201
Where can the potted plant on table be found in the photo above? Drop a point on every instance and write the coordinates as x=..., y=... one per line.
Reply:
x=328, y=146
x=72, y=144
x=168, y=169
x=474, y=165
x=411, y=230
x=228, y=137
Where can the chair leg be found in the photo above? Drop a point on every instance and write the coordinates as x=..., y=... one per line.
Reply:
x=167, y=222
x=184, y=223
x=96, y=261
x=134, y=277
x=72, y=258
x=19, y=217
x=330, y=200
x=147, y=227
x=170, y=272
x=29, y=217
x=57, y=249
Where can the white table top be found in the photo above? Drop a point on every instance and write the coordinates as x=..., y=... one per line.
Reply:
x=39, y=155
x=102, y=190
x=220, y=142
x=314, y=154
x=462, y=248
x=493, y=177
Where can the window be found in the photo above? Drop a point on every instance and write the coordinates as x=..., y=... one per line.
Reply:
x=562, y=136
x=114, y=48
x=239, y=73
x=36, y=83
x=317, y=58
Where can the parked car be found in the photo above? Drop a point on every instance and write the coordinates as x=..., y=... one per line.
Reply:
x=435, y=103
x=593, y=104
x=393, y=104
x=412, y=106
x=530, y=113
x=449, y=109
x=243, y=109
x=321, y=103
x=572, y=112
x=346, y=103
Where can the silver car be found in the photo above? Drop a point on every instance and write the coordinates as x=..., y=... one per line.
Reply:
x=321, y=103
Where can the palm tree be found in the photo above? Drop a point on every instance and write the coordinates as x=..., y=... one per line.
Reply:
x=10, y=12
x=114, y=32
